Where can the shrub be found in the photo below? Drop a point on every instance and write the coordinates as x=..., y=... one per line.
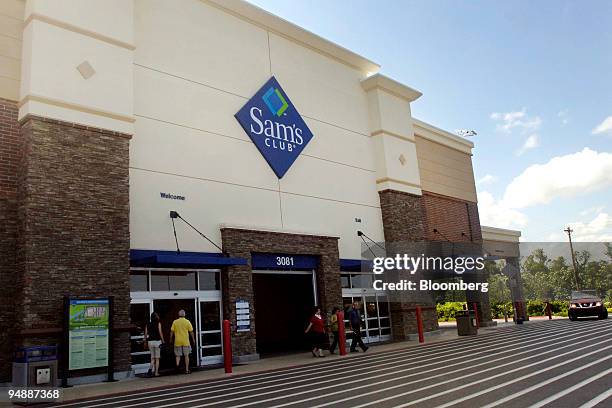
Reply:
x=536, y=308
x=446, y=311
x=497, y=310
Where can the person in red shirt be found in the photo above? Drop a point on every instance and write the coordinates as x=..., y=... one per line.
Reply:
x=316, y=328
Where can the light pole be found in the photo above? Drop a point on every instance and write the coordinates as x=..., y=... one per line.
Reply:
x=569, y=235
x=466, y=132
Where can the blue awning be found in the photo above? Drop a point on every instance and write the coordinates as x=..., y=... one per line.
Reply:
x=169, y=259
x=355, y=265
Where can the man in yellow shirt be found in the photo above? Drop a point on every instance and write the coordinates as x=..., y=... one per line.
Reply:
x=180, y=332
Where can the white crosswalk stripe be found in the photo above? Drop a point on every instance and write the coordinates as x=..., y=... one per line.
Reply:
x=473, y=371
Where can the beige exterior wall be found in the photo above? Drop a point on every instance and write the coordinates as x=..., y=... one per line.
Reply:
x=392, y=134
x=173, y=74
x=195, y=65
x=60, y=35
x=500, y=242
x=445, y=163
x=11, y=22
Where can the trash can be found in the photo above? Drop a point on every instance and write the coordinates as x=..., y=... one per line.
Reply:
x=466, y=323
x=35, y=366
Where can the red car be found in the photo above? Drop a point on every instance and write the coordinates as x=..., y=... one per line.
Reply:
x=585, y=303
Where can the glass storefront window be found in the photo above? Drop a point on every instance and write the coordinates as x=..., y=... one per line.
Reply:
x=383, y=306
x=211, y=339
x=373, y=333
x=139, y=317
x=371, y=306
x=209, y=316
x=359, y=281
x=345, y=280
x=374, y=308
x=175, y=280
x=209, y=280
x=193, y=287
x=211, y=351
x=373, y=322
x=139, y=281
x=210, y=324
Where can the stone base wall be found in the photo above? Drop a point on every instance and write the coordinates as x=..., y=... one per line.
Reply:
x=10, y=153
x=237, y=280
x=73, y=235
x=403, y=216
x=404, y=223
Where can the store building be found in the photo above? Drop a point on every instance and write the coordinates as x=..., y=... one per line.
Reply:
x=115, y=113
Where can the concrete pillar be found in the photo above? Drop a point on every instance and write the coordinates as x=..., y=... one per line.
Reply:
x=513, y=271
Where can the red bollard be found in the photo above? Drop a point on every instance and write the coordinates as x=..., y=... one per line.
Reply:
x=549, y=310
x=419, y=320
x=476, y=314
x=341, y=334
x=227, y=347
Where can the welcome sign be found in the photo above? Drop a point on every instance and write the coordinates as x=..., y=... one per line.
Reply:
x=275, y=126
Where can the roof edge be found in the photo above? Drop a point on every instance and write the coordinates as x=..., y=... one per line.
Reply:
x=390, y=85
x=279, y=25
x=500, y=231
x=442, y=136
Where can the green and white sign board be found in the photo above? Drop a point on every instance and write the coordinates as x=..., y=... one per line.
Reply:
x=88, y=331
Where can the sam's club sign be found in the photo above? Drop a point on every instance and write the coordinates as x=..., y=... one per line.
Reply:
x=275, y=126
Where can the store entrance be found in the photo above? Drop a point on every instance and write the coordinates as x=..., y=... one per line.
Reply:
x=168, y=311
x=283, y=305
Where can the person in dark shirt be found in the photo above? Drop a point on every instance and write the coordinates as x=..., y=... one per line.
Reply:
x=355, y=320
x=154, y=337
x=316, y=328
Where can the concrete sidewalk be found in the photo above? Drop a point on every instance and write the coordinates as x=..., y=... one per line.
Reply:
x=265, y=364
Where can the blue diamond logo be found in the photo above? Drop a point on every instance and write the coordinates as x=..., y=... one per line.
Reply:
x=275, y=126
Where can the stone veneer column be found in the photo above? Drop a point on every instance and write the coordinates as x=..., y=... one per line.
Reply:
x=10, y=152
x=513, y=271
x=237, y=280
x=73, y=236
x=404, y=223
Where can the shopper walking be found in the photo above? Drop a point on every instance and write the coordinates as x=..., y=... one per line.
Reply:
x=154, y=337
x=355, y=320
x=181, y=331
x=316, y=328
x=334, y=329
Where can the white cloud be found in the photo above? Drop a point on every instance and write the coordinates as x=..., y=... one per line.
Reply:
x=486, y=179
x=562, y=176
x=494, y=213
x=604, y=127
x=531, y=142
x=592, y=210
x=516, y=120
x=562, y=114
x=597, y=230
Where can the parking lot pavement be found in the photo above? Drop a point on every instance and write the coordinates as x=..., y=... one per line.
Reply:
x=555, y=363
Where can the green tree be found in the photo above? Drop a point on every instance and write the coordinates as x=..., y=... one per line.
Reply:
x=546, y=279
x=535, y=272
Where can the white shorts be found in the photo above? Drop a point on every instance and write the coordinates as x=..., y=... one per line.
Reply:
x=154, y=347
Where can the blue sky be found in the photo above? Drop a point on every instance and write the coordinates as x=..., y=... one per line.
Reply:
x=534, y=79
